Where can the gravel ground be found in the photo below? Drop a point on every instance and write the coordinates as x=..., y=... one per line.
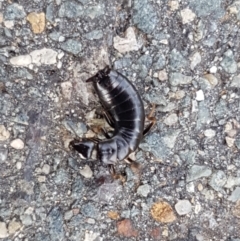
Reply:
x=183, y=56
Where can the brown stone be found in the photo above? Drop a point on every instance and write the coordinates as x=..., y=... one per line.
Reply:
x=113, y=215
x=155, y=233
x=163, y=212
x=126, y=229
x=37, y=21
x=236, y=209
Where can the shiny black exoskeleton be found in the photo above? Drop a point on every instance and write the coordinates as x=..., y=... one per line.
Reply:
x=124, y=112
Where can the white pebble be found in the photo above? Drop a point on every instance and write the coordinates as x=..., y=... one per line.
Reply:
x=199, y=95
x=213, y=70
x=17, y=144
x=18, y=165
x=86, y=172
x=183, y=207
x=209, y=133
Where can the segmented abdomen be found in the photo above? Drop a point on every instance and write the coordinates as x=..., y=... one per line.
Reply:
x=121, y=99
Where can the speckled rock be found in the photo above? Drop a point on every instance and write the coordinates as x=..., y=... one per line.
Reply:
x=228, y=63
x=56, y=229
x=218, y=180
x=235, y=82
x=72, y=46
x=4, y=133
x=235, y=195
x=89, y=210
x=17, y=144
x=183, y=207
x=86, y=172
x=143, y=190
x=176, y=79
x=196, y=172
x=14, y=11
x=70, y=9
x=144, y=15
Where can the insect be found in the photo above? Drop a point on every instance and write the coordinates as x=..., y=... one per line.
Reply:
x=124, y=112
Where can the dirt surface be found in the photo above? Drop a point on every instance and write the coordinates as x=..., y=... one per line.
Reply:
x=182, y=56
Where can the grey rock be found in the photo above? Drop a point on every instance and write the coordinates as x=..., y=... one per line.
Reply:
x=50, y=12
x=196, y=172
x=56, y=230
x=26, y=219
x=73, y=163
x=77, y=187
x=237, y=142
x=89, y=210
x=144, y=190
x=95, y=34
x=177, y=61
x=171, y=119
x=68, y=215
x=188, y=156
x=145, y=61
x=206, y=8
x=169, y=139
x=217, y=181
x=176, y=79
x=61, y=177
x=210, y=41
x=221, y=109
x=235, y=195
x=235, y=82
x=122, y=63
x=72, y=46
x=76, y=127
x=14, y=11
x=232, y=181
x=3, y=72
x=70, y=9
x=84, y=2
x=183, y=207
x=228, y=63
x=204, y=116
x=22, y=73
x=160, y=63
x=158, y=144
x=55, y=35
x=3, y=154
x=156, y=97
x=94, y=11
x=169, y=107
x=144, y=15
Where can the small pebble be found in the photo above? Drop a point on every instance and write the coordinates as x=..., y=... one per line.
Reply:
x=3, y=230
x=213, y=70
x=14, y=226
x=209, y=133
x=171, y=119
x=183, y=207
x=4, y=133
x=86, y=172
x=143, y=190
x=230, y=141
x=199, y=95
x=162, y=75
x=17, y=144
x=46, y=169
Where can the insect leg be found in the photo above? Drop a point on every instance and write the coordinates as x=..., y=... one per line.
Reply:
x=115, y=175
x=151, y=118
x=136, y=169
x=108, y=118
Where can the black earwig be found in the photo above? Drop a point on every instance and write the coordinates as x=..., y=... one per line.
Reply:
x=124, y=112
